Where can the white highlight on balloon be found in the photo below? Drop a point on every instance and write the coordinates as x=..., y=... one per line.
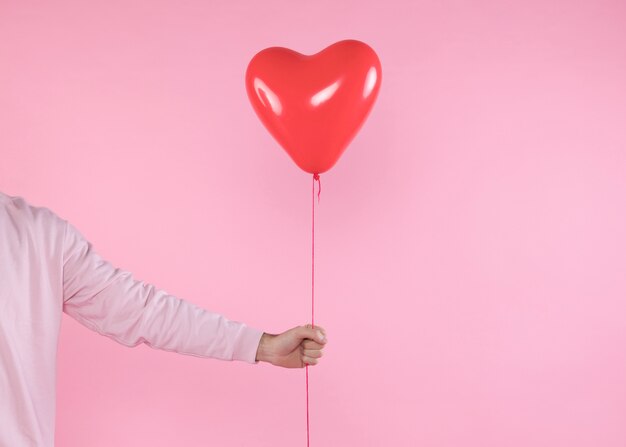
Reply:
x=260, y=86
x=370, y=82
x=324, y=94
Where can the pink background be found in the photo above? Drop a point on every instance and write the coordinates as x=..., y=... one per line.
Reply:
x=470, y=243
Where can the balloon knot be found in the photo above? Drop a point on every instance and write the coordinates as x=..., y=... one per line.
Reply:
x=316, y=177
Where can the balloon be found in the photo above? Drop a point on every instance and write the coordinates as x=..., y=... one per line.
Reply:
x=314, y=105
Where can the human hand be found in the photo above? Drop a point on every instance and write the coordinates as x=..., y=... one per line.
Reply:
x=293, y=348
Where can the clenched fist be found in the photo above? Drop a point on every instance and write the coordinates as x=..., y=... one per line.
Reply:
x=293, y=348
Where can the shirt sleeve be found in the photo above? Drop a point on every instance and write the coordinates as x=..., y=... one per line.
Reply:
x=112, y=302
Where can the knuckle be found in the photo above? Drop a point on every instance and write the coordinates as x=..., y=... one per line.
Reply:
x=309, y=360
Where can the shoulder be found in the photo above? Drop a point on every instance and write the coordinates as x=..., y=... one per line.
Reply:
x=27, y=216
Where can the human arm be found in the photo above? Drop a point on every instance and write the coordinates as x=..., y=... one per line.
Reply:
x=112, y=302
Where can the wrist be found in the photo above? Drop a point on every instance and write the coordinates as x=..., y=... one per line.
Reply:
x=263, y=353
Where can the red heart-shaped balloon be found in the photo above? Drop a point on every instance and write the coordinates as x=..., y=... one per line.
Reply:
x=314, y=105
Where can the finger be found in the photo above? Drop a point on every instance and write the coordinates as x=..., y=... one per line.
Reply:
x=317, y=326
x=313, y=353
x=309, y=361
x=310, y=344
x=308, y=332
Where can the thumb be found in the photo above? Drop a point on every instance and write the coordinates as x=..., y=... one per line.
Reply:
x=307, y=331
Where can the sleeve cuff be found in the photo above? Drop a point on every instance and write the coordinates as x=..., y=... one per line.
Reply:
x=247, y=344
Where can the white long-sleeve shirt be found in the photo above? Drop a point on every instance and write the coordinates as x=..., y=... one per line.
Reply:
x=48, y=267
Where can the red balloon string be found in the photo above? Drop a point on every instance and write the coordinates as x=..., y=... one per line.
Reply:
x=315, y=177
